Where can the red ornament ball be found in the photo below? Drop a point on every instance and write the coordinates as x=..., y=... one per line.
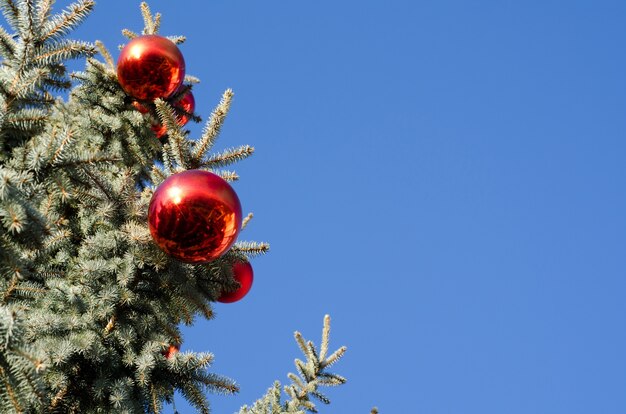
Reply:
x=171, y=351
x=140, y=107
x=194, y=216
x=243, y=274
x=150, y=67
x=188, y=104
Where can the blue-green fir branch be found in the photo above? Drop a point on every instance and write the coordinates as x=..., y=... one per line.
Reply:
x=106, y=55
x=26, y=290
x=306, y=384
x=26, y=19
x=13, y=217
x=7, y=44
x=148, y=20
x=228, y=157
x=128, y=34
x=168, y=163
x=157, y=175
x=10, y=12
x=212, y=128
x=25, y=121
x=44, y=8
x=54, y=83
x=21, y=388
x=191, y=79
x=25, y=82
x=177, y=39
x=57, y=53
x=59, y=25
x=157, y=22
x=87, y=159
x=180, y=94
x=178, y=144
x=250, y=249
x=100, y=186
x=28, y=49
x=229, y=176
x=246, y=220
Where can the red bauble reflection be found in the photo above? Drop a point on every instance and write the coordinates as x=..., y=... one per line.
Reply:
x=188, y=104
x=171, y=351
x=150, y=67
x=243, y=274
x=194, y=216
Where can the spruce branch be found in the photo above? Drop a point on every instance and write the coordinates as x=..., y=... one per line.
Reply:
x=44, y=7
x=228, y=175
x=103, y=187
x=212, y=128
x=229, y=156
x=191, y=79
x=246, y=220
x=168, y=163
x=157, y=175
x=64, y=51
x=129, y=34
x=18, y=366
x=250, y=249
x=62, y=23
x=58, y=398
x=334, y=357
x=25, y=83
x=106, y=55
x=304, y=386
x=10, y=12
x=7, y=44
x=157, y=22
x=26, y=19
x=156, y=402
x=147, y=18
x=13, y=217
x=89, y=159
x=325, y=338
x=177, y=39
x=177, y=141
x=65, y=138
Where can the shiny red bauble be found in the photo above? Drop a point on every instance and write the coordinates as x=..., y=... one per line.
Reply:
x=171, y=351
x=194, y=216
x=150, y=67
x=242, y=272
x=187, y=104
x=140, y=107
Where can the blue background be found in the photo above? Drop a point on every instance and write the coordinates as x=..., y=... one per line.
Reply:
x=445, y=178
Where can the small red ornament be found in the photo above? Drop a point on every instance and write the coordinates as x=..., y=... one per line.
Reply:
x=242, y=272
x=194, y=216
x=150, y=67
x=188, y=104
x=171, y=351
x=140, y=107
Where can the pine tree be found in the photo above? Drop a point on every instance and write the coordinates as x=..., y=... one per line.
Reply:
x=89, y=305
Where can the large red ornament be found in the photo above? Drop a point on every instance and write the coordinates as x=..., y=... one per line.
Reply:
x=150, y=67
x=188, y=104
x=243, y=274
x=194, y=216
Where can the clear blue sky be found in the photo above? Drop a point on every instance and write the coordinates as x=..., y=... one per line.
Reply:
x=446, y=178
